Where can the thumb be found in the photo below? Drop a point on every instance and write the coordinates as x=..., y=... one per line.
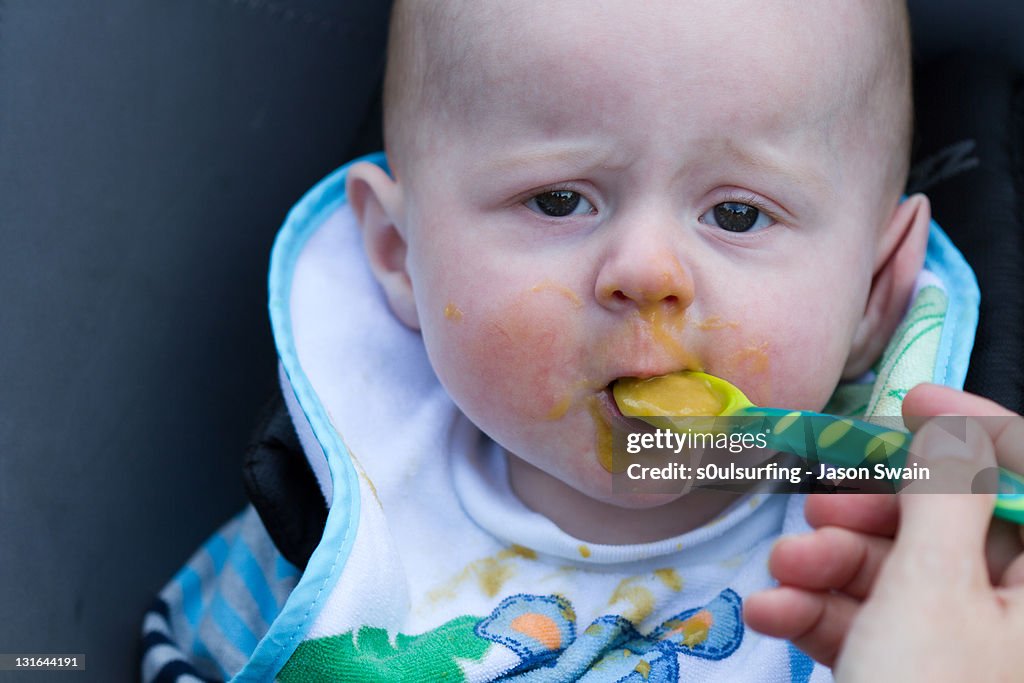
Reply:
x=941, y=540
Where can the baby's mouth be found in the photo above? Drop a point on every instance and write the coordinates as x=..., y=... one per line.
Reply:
x=617, y=418
x=676, y=394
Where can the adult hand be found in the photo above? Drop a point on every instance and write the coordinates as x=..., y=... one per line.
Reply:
x=940, y=603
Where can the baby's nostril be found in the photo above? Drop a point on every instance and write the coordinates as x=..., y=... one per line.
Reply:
x=620, y=295
x=671, y=299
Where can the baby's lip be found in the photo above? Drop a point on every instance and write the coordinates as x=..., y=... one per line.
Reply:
x=615, y=417
x=647, y=373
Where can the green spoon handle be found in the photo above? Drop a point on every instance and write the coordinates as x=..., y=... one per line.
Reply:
x=846, y=442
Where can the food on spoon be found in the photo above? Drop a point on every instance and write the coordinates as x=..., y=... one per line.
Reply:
x=680, y=394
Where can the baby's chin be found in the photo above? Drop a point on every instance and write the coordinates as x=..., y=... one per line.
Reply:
x=632, y=500
x=638, y=516
x=620, y=492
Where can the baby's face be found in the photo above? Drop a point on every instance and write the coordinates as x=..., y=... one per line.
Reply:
x=627, y=192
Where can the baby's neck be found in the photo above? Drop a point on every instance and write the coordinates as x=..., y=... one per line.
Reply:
x=589, y=519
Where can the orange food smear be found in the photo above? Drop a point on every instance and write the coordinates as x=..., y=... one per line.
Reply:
x=560, y=407
x=603, y=439
x=562, y=290
x=715, y=323
x=753, y=358
x=665, y=329
x=452, y=312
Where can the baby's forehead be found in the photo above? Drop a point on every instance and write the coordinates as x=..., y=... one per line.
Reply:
x=815, y=59
x=824, y=48
x=507, y=34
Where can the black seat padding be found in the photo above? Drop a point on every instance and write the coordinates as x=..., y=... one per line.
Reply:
x=970, y=161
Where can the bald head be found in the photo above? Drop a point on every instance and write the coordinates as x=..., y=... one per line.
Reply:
x=444, y=54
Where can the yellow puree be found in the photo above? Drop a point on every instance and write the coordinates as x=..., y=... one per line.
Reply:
x=678, y=394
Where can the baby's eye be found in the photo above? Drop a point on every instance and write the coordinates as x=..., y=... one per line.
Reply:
x=736, y=217
x=560, y=203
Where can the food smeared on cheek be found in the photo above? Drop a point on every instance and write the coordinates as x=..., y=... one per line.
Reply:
x=540, y=324
x=560, y=407
x=560, y=290
x=452, y=312
x=714, y=322
x=561, y=402
x=519, y=357
x=752, y=358
x=602, y=435
x=665, y=329
x=753, y=363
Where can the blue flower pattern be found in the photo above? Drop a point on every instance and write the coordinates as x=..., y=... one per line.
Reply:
x=541, y=630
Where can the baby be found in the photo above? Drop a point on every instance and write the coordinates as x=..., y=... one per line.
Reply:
x=578, y=192
x=635, y=189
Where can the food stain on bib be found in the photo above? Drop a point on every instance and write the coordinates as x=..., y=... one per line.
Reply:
x=489, y=573
x=640, y=599
x=670, y=577
x=361, y=471
x=693, y=630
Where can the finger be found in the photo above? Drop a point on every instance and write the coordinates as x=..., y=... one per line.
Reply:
x=876, y=514
x=830, y=558
x=816, y=623
x=1013, y=574
x=1005, y=428
x=1002, y=550
x=928, y=400
x=942, y=537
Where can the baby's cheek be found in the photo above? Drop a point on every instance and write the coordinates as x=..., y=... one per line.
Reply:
x=792, y=368
x=749, y=363
x=510, y=363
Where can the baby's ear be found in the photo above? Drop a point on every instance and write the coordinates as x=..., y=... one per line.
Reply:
x=899, y=259
x=376, y=200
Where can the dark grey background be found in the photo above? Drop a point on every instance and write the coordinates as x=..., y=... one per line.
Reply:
x=991, y=27
x=149, y=149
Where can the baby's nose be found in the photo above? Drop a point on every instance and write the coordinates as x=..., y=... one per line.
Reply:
x=643, y=276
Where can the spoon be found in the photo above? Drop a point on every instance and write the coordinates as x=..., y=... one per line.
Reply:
x=672, y=401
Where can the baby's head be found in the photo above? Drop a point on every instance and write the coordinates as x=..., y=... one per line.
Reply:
x=586, y=191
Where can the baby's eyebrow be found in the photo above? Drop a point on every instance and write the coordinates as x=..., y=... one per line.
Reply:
x=575, y=155
x=803, y=176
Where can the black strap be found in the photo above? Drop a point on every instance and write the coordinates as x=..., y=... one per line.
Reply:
x=282, y=487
